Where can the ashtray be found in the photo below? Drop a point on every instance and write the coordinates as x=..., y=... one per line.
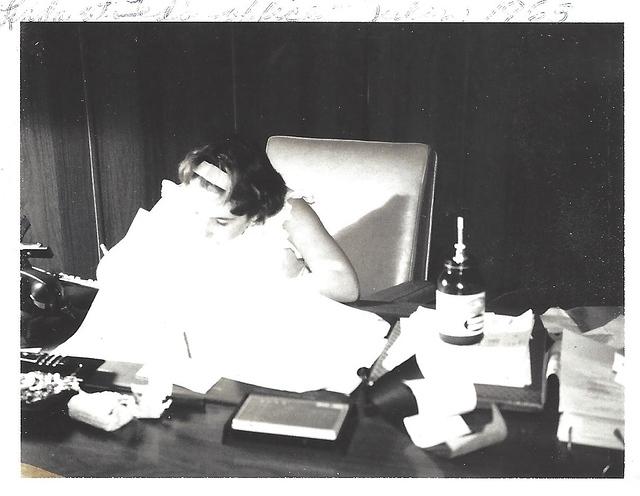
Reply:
x=44, y=392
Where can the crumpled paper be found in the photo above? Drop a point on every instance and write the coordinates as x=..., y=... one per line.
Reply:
x=109, y=411
x=106, y=410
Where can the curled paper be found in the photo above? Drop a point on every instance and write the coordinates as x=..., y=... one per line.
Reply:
x=443, y=397
x=440, y=403
x=106, y=410
x=426, y=431
x=492, y=433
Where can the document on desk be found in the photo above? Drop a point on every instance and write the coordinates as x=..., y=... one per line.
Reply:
x=501, y=358
x=591, y=400
x=557, y=321
x=587, y=378
x=312, y=343
x=195, y=375
x=232, y=312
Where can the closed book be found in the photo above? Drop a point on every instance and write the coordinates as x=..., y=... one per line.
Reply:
x=290, y=417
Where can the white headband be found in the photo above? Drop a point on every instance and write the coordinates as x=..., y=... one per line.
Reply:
x=214, y=175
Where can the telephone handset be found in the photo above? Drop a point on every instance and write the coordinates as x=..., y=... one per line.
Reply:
x=39, y=289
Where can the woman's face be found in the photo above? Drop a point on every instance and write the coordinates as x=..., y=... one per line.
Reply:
x=213, y=211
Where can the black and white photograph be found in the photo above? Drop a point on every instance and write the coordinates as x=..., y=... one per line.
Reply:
x=279, y=240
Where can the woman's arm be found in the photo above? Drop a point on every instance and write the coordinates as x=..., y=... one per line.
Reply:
x=331, y=271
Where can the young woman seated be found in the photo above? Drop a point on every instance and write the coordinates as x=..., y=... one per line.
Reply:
x=233, y=273
x=235, y=189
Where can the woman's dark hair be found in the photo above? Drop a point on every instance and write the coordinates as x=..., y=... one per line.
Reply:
x=257, y=189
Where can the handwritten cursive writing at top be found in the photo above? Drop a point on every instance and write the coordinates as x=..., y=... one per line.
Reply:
x=15, y=11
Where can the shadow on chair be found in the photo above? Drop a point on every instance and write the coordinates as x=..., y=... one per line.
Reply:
x=375, y=198
x=376, y=236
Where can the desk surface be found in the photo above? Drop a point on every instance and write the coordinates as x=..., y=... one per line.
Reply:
x=187, y=442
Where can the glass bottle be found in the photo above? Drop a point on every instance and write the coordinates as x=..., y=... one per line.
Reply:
x=460, y=297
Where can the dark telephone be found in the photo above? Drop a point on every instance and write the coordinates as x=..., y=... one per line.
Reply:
x=52, y=305
x=40, y=291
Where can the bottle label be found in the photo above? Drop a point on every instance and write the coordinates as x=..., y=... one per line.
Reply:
x=460, y=315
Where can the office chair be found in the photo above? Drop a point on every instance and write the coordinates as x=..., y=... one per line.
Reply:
x=375, y=198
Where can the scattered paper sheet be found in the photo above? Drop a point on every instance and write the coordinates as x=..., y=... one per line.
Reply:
x=587, y=378
x=426, y=431
x=405, y=345
x=592, y=387
x=612, y=333
x=501, y=358
x=492, y=433
x=443, y=397
x=556, y=320
x=196, y=375
x=440, y=402
x=233, y=312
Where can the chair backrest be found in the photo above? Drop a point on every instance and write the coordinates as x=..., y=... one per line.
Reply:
x=375, y=198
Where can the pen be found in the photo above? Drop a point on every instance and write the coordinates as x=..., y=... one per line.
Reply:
x=186, y=341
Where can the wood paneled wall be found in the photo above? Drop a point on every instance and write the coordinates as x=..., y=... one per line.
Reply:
x=527, y=120
x=55, y=178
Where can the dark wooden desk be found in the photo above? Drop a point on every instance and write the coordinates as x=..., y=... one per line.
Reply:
x=188, y=443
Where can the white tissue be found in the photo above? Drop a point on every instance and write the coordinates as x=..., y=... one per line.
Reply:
x=426, y=431
x=106, y=410
x=443, y=397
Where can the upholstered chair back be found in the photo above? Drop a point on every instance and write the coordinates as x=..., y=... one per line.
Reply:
x=375, y=198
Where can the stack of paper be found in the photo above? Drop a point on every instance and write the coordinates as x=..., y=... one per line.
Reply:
x=501, y=358
x=591, y=399
x=195, y=310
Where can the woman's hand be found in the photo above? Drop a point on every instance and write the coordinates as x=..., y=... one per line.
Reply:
x=291, y=265
x=331, y=271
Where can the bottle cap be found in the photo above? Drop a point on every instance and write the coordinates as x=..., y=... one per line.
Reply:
x=460, y=255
